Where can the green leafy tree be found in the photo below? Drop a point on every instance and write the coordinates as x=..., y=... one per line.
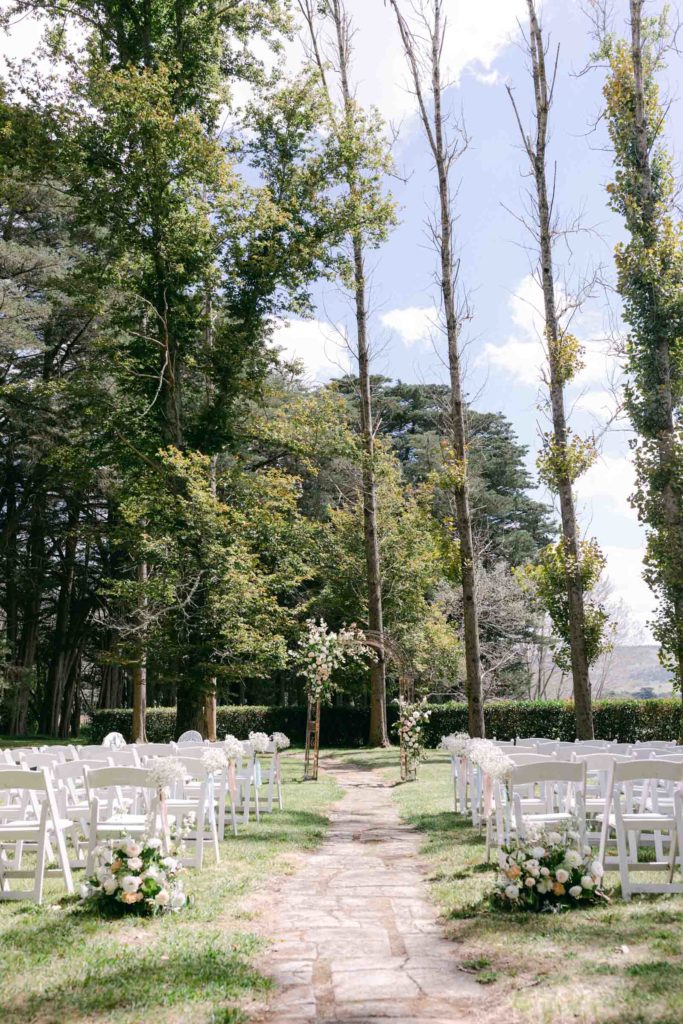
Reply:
x=650, y=280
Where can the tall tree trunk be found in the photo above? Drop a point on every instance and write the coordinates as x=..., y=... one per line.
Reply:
x=58, y=668
x=570, y=534
x=139, y=671
x=343, y=35
x=419, y=57
x=24, y=669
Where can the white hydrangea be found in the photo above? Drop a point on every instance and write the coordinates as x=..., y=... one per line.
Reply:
x=260, y=742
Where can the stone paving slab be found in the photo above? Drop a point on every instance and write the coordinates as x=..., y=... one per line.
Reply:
x=355, y=936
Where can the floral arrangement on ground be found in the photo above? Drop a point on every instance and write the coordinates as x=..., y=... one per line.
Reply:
x=135, y=876
x=549, y=872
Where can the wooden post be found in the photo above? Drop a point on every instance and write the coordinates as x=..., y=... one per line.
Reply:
x=312, y=740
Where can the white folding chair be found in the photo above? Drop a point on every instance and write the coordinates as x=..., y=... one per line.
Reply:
x=248, y=783
x=155, y=749
x=111, y=816
x=556, y=800
x=195, y=798
x=42, y=822
x=632, y=814
x=272, y=779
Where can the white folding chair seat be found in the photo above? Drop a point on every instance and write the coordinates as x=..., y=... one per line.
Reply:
x=39, y=827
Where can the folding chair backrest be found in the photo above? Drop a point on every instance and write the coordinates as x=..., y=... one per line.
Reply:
x=524, y=757
x=155, y=749
x=38, y=760
x=106, y=778
x=126, y=756
x=637, y=771
x=548, y=770
x=193, y=766
x=600, y=762
x=190, y=750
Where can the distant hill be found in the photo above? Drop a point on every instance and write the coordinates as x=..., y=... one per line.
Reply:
x=628, y=671
x=633, y=671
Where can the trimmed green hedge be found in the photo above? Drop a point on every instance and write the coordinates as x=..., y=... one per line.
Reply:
x=622, y=720
x=339, y=727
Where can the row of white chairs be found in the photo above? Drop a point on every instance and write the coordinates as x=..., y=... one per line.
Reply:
x=633, y=797
x=49, y=799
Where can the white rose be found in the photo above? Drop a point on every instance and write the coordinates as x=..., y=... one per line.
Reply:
x=575, y=891
x=103, y=873
x=84, y=891
x=561, y=875
x=130, y=883
x=110, y=885
x=178, y=900
x=154, y=843
x=530, y=882
x=597, y=869
x=554, y=838
x=537, y=852
x=170, y=863
x=531, y=865
x=131, y=848
x=542, y=888
x=135, y=863
x=512, y=892
x=587, y=882
x=162, y=898
x=573, y=858
x=545, y=872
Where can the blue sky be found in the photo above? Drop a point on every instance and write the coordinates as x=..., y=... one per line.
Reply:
x=503, y=354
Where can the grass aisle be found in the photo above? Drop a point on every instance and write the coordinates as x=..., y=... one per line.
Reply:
x=63, y=966
x=621, y=964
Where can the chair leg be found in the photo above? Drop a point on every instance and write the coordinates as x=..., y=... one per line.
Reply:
x=40, y=860
x=64, y=860
x=623, y=861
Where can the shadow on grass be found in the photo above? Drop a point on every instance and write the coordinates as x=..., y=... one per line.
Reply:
x=163, y=968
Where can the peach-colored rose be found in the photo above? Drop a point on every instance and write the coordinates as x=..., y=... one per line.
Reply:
x=558, y=889
x=115, y=865
x=513, y=872
x=131, y=897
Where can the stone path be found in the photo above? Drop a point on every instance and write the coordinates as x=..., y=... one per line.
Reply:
x=355, y=936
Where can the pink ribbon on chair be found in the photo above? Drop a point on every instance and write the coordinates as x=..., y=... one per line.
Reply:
x=163, y=811
x=488, y=796
x=232, y=781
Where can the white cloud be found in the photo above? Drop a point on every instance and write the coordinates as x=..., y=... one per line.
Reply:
x=610, y=481
x=414, y=323
x=522, y=356
x=318, y=345
x=601, y=404
x=625, y=573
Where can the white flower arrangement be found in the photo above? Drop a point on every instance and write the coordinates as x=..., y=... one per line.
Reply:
x=490, y=759
x=280, y=740
x=260, y=742
x=321, y=652
x=134, y=875
x=457, y=744
x=233, y=748
x=549, y=872
x=411, y=719
x=214, y=760
x=165, y=771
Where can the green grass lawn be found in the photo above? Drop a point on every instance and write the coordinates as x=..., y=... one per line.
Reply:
x=61, y=965
x=619, y=964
